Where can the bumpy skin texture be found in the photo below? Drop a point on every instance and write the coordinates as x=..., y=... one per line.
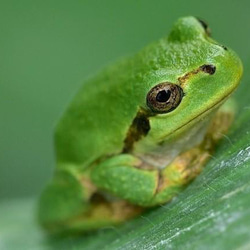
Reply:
x=90, y=140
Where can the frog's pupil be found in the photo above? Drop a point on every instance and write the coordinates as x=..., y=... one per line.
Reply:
x=163, y=96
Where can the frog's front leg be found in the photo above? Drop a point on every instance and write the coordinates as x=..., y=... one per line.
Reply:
x=128, y=178
x=123, y=176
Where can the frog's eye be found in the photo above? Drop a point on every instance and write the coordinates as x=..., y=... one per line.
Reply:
x=164, y=97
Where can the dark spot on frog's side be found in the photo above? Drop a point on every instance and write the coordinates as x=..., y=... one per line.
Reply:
x=139, y=128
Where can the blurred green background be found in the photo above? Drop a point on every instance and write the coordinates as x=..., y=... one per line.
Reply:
x=47, y=48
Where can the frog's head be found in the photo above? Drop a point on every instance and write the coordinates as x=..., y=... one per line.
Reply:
x=196, y=75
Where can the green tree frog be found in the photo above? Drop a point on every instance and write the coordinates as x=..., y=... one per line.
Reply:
x=139, y=131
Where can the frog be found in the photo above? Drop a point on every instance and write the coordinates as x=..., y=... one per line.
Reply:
x=139, y=131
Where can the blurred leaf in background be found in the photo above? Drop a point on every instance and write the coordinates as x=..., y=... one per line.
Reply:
x=47, y=49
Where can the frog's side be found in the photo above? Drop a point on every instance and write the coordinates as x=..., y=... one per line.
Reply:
x=118, y=150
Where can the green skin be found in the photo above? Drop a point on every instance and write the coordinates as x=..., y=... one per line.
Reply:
x=90, y=138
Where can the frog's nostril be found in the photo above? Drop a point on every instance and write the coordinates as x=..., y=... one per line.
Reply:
x=208, y=68
x=224, y=47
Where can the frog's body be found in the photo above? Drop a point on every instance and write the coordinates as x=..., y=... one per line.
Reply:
x=115, y=147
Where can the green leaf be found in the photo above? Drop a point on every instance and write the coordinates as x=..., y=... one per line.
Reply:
x=213, y=212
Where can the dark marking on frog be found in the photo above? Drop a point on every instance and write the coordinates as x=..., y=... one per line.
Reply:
x=138, y=129
x=183, y=79
x=205, y=26
x=97, y=198
x=206, y=68
x=224, y=47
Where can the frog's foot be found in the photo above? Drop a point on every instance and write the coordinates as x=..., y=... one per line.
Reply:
x=70, y=204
